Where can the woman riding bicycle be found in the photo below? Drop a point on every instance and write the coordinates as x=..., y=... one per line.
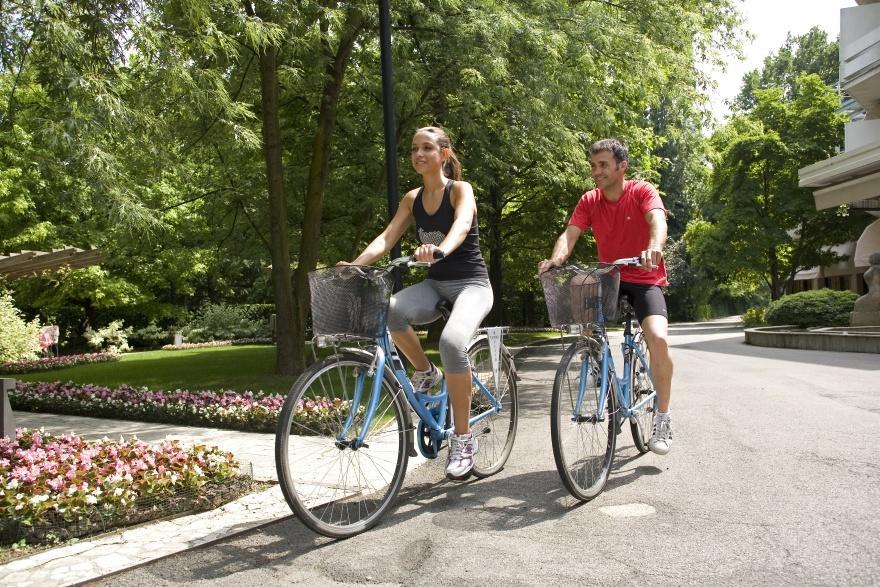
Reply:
x=445, y=215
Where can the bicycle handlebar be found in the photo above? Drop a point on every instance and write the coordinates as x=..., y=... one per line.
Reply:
x=409, y=260
x=628, y=262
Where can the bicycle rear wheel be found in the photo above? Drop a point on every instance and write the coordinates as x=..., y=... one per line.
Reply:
x=583, y=436
x=334, y=487
x=495, y=433
x=641, y=423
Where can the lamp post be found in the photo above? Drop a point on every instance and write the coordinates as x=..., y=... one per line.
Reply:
x=390, y=124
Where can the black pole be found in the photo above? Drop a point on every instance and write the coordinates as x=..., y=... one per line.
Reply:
x=388, y=107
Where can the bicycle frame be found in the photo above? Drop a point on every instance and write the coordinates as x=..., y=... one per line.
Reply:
x=607, y=370
x=432, y=409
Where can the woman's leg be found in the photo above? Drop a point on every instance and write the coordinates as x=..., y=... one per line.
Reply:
x=470, y=306
x=416, y=304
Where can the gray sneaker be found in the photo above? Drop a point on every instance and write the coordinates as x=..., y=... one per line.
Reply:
x=425, y=381
x=460, y=463
x=661, y=440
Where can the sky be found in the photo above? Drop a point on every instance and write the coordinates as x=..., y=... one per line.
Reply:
x=770, y=21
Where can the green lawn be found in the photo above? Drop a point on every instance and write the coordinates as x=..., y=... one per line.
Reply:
x=240, y=368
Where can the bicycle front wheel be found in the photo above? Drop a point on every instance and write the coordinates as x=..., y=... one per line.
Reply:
x=335, y=486
x=495, y=433
x=582, y=433
x=642, y=422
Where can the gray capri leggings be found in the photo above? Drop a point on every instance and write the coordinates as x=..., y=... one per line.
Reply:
x=471, y=298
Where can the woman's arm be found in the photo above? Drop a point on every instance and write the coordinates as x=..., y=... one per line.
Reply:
x=392, y=233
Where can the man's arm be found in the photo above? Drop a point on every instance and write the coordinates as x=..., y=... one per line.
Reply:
x=653, y=255
x=562, y=249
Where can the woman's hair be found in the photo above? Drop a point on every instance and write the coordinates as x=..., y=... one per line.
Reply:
x=452, y=166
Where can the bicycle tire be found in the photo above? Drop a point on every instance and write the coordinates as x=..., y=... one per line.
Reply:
x=495, y=434
x=583, y=449
x=336, y=490
x=642, y=423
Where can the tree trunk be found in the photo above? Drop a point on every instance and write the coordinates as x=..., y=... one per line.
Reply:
x=318, y=170
x=495, y=241
x=288, y=354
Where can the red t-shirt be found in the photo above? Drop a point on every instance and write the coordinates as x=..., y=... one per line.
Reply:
x=620, y=227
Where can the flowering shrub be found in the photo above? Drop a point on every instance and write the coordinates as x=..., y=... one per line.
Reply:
x=49, y=482
x=19, y=339
x=221, y=409
x=113, y=337
x=48, y=363
x=213, y=343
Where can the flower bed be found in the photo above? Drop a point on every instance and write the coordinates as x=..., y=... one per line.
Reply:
x=56, y=488
x=220, y=409
x=48, y=363
x=214, y=343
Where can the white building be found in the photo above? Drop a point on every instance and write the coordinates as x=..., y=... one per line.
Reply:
x=853, y=176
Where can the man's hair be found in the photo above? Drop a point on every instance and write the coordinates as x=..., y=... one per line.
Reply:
x=617, y=148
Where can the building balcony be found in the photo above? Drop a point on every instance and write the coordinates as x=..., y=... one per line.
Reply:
x=860, y=55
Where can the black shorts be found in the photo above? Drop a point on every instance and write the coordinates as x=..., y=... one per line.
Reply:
x=646, y=300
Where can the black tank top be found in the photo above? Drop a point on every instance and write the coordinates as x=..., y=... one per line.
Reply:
x=464, y=262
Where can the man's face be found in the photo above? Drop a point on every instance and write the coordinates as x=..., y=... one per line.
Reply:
x=605, y=170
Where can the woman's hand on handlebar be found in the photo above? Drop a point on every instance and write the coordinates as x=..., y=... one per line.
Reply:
x=428, y=253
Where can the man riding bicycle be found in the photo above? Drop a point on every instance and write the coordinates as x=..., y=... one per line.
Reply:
x=628, y=219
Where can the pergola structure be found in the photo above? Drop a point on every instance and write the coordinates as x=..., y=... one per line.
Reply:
x=28, y=264
x=32, y=263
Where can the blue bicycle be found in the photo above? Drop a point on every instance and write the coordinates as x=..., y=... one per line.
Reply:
x=346, y=432
x=590, y=401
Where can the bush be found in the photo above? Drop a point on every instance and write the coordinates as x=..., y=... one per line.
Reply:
x=807, y=309
x=19, y=339
x=225, y=322
x=150, y=336
x=112, y=338
x=755, y=317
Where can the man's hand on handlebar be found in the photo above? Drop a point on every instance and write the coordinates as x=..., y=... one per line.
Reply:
x=548, y=264
x=650, y=259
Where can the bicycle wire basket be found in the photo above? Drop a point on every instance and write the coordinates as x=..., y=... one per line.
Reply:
x=350, y=301
x=581, y=294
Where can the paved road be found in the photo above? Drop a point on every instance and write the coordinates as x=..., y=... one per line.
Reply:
x=773, y=479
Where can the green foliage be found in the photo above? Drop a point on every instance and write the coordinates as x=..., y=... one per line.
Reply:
x=811, y=52
x=225, y=322
x=136, y=129
x=756, y=316
x=760, y=224
x=112, y=338
x=19, y=339
x=150, y=336
x=821, y=307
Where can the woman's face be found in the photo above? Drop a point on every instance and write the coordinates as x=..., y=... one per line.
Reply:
x=426, y=154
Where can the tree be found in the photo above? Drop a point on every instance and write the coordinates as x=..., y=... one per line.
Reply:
x=810, y=52
x=765, y=226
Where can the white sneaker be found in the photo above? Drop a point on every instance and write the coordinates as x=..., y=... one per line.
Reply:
x=661, y=440
x=424, y=381
x=460, y=463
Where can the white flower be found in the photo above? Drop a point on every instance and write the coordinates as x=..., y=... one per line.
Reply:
x=91, y=499
x=12, y=484
x=117, y=492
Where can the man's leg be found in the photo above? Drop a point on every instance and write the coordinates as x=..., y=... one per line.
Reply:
x=656, y=330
